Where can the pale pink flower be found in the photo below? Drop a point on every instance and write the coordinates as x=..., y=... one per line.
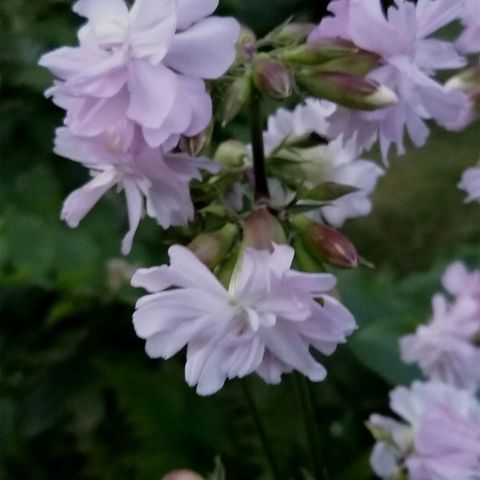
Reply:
x=142, y=66
x=335, y=161
x=448, y=348
x=154, y=182
x=469, y=40
x=182, y=475
x=438, y=437
x=470, y=182
x=410, y=61
x=460, y=282
x=265, y=322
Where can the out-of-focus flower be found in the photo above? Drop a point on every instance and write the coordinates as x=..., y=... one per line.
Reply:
x=335, y=160
x=460, y=282
x=468, y=82
x=154, y=183
x=438, y=437
x=470, y=182
x=410, y=60
x=142, y=66
x=182, y=475
x=265, y=323
x=448, y=348
x=469, y=40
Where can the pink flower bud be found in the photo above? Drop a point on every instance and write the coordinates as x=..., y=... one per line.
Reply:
x=182, y=475
x=352, y=91
x=326, y=244
x=318, y=52
x=272, y=77
x=261, y=230
x=246, y=45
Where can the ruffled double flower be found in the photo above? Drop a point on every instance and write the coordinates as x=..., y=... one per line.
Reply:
x=136, y=82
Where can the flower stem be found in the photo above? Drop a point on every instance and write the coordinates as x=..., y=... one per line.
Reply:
x=304, y=396
x=261, y=430
x=258, y=151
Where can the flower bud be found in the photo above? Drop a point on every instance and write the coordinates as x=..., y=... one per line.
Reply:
x=315, y=53
x=272, y=77
x=261, y=230
x=211, y=248
x=326, y=244
x=231, y=153
x=195, y=145
x=290, y=33
x=182, y=475
x=246, y=45
x=236, y=96
x=359, y=63
x=348, y=90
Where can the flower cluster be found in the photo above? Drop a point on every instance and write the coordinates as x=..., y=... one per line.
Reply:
x=438, y=437
x=448, y=348
x=408, y=61
x=329, y=159
x=265, y=322
x=131, y=89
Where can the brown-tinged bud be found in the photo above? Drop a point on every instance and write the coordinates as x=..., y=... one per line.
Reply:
x=359, y=63
x=348, y=90
x=315, y=53
x=325, y=243
x=196, y=144
x=261, y=230
x=182, y=475
x=212, y=247
x=290, y=33
x=272, y=77
x=236, y=96
x=246, y=45
x=231, y=153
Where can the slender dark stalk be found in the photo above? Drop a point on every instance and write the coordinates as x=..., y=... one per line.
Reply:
x=261, y=430
x=258, y=151
x=304, y=396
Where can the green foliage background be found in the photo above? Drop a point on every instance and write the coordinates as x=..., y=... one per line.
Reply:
x=78, y=397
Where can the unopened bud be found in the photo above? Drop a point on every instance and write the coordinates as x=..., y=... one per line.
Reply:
x=348, y=90
x=359, y=63
x=211, y=248
x=236, y=96
x=231, y=153
x=182, y=475
x=326, y=244
x=314, y=53
x=261, y=230
x=196, y=144
x=246, y=45
x=272, y=77
x=290, y=33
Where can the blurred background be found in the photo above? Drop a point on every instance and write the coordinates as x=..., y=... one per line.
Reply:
x=79, y=399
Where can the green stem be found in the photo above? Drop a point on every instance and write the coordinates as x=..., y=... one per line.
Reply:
x=258, y=150
x=304, y=396
x=261, y=430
